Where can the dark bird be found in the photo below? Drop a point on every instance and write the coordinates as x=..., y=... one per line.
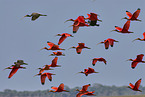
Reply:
x=34, y=16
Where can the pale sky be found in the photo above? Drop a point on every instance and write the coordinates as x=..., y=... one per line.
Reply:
x=22, y=39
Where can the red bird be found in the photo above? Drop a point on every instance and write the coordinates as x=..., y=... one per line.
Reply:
x=79, y=22
x=98, y=59
x=80, y=47
x=141, y=39
x=93, y=19
x=63, y=37
x=54, y=63
x=58, y=53
x=108, y=42
x=43, y=77
x=84, y=91
x=88, y=71
x=136, y=86
x=52, y=46
x=134, y=16
x=45, y=68
x=58, y=89
x=124, y=29
x=136, y=61
x=14, y=70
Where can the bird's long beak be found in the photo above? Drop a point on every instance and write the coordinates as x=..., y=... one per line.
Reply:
x=116, y=41
x=23, y=17
x=99, y=43
x=67, y=21
x=70, y=26
x=41, y=49
x=69, y=48
x=134, y=40
x=96, y=72
x=112, y=30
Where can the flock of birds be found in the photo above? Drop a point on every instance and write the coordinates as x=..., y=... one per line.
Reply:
x=81, y=22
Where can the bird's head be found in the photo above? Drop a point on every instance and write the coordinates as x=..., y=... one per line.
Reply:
x=124, y=18
x=68, y=20
x=27, y=16
x=136, y=39
x=72, y=47
x=44, y=48
x=129, y=60
x=58, y=35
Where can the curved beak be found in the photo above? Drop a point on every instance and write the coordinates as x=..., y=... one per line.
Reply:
x=134, y=40
x=112, y=30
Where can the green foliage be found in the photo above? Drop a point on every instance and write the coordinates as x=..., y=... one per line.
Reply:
x=100, y=91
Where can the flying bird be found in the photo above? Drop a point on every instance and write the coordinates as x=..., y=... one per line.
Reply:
x=44, y=75
x=14, y=70
x=136, y=86
x=124, y=29
x=134, y=16
x=54, y=63
x=84, y=91
x=88, y=71
x=34, y=16
x=58, y=89
x=108, y=42
x=63, y=37
x=46, y=67
x=19, y=62
x=79, y=22
x=80, y=47
x=98, y=59
x=93, y=17
x=52, y=46
x=136, y=61
x=58, y=53
x=140, y=38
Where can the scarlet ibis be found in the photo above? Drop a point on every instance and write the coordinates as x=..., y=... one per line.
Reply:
x=134, y=16
x=108, y=42
x=79, y=22
x=54, y=63
x=58, y=53
x=124, y=29
x=58, y=89
x=34, y=16
x=141, y=39
x=136, y=61
x=93, y=19
x=88, y=71
x=136, y=86
x=63, y=37
x=46, y=67
x=84, y=91
x=52, y=46
x=80, y=47
x=44, y=75
x=14, y=70
x=98, y=59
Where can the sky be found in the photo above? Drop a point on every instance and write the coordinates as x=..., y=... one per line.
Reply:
x=23, y=39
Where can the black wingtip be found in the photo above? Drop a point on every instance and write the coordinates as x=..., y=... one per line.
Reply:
x=74, y=31
x=93, y=64
x=133, y=67
x=42, y=83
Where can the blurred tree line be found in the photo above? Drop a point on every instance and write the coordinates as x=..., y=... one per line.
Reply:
x=100, y=90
